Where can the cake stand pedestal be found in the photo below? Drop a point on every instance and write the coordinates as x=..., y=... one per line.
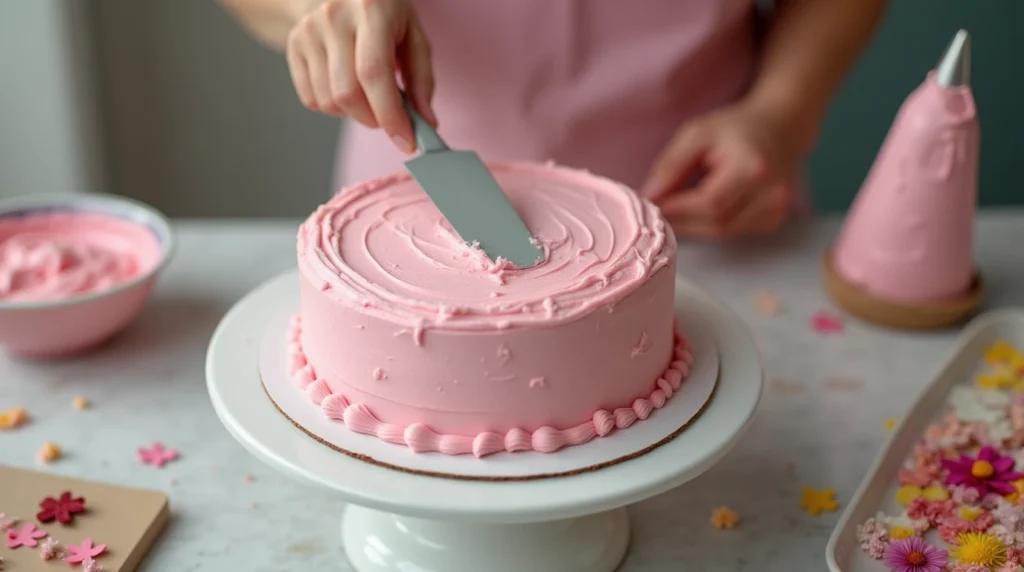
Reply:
x=401, y=522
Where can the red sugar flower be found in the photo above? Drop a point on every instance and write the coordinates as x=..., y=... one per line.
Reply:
x=988, y=472
x=62, y=509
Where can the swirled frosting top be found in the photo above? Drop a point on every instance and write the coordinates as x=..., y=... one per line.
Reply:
x=384, y=246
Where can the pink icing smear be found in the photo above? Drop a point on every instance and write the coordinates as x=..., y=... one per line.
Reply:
x=420, y=438
x=56, y=256
x=384, y=247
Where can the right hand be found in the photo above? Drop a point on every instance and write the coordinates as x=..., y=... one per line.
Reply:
x=345, y=57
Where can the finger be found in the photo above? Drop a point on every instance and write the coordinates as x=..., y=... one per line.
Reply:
x=299, y=71
x=417, y=72
x=723, y=193
x=315, y=54
x=765, y=213
x=346, y=93
x=375, y=68
x=678, y=162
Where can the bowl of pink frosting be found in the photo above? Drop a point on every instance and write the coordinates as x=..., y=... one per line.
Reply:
x=75, y=269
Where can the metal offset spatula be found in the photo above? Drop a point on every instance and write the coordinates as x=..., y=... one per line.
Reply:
x=466, y=193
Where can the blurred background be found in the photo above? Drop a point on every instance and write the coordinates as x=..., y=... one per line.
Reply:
x=172, y=103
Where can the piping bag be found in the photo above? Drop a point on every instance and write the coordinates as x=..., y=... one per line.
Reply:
x=908, y=238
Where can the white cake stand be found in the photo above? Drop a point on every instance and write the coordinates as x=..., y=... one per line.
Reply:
x=401, y=522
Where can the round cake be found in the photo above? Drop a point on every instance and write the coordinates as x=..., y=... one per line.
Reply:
x=407, y=333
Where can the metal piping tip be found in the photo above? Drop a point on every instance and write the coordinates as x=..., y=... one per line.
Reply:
x=955, y=66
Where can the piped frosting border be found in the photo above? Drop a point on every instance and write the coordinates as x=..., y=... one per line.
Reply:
x=420, y=438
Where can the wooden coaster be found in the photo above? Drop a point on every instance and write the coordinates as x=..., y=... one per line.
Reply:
x=126, y=520
x=924, y=316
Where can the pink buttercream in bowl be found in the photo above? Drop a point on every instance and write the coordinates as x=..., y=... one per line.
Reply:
x=75, y=269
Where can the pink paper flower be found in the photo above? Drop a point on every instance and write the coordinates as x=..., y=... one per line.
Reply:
x=78, y=554
x=157, y=455
x=915, y=555
x=988, y=472
x=825, y=323
x=27, y=536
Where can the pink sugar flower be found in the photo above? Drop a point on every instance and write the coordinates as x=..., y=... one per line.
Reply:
x=1009, y=515
x=919, y=476
x=970, y=568
x=964, y=495
x=932, y=511
x=873, y=538
x=915, y=555
x=1008, y=567
x=951, y=526
x=49, y=549
x=988, y=472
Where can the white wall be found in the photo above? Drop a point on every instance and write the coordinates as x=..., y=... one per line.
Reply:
x=199, y=119
x=48, y=120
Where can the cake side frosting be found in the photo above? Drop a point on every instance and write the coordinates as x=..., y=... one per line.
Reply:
x=420, y=438
x=400, y=316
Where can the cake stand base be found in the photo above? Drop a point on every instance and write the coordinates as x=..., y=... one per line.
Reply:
x=403, y=522
x=383, y=542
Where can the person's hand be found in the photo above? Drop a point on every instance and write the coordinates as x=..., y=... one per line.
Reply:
x=729, y=173
x=345, y=57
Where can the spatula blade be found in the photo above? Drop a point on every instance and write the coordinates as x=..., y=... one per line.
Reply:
x=466, y=193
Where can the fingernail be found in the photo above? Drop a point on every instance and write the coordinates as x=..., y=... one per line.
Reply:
x=404, y=144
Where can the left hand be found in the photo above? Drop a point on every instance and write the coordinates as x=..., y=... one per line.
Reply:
x=748, y=155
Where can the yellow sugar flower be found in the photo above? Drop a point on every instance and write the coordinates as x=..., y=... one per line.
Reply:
x=935, y=493
x=901, y=532
x=970, y=513
x=999, y=379
x=1002, y=352
x=908, y=493
x=979, y=549
x=1018, y=493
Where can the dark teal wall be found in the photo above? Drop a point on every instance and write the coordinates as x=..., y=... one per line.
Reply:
x=910, y=43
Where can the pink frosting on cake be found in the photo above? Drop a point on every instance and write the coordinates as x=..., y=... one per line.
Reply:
x=427, y=341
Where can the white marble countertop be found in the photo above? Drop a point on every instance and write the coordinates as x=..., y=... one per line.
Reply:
x=821, y=425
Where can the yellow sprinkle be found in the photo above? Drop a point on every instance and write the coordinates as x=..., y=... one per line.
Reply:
x=724, y=518
x=906, y=494
x=816, y=502
x=935, y=493
x=13, y=418
x=890, y=423
x=901, y=532
x=80, y=403
x=49, y=452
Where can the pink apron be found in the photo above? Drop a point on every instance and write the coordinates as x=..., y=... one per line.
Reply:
x=594, y=84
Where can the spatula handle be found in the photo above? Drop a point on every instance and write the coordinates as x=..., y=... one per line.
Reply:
x=426, y=138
